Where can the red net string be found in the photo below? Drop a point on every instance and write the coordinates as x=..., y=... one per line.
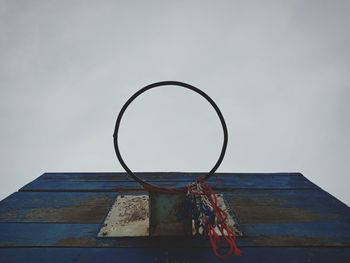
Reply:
x=216, y=241
x=227, y=234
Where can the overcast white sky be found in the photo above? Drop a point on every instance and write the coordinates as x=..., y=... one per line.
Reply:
x=279, y=71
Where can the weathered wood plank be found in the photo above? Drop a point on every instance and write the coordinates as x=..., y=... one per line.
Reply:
x=70, y=207
x=238, y=181
x=253, y=206
x=154, y=176
x=327, y=233
x=250, y=206
x=57, y=217
x=202, y=255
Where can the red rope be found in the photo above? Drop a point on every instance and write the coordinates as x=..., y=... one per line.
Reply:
x=227, y=233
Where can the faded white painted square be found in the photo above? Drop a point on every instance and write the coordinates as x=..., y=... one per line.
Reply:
x=129, y=216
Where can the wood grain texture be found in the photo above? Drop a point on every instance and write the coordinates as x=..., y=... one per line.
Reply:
x=61, y=207
x=120, y=182
x=183, y=255
x=284, y=217
x=328, y=233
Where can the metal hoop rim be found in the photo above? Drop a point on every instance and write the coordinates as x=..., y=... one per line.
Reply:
x=159, y=84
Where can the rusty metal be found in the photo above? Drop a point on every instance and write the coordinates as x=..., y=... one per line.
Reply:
x=165, y=210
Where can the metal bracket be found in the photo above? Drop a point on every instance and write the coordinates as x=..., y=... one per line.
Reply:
x=165, y=212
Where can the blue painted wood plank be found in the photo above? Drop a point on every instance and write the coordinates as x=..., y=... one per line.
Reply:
x=250, y=206
x=276, y=212
x=254, y=206
x=249, y=181
x=188, y=255
x=85, y=235
x=154, y=176
x=86, y=186
x=330, y=233
x=57, y=199
x=70, y=207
